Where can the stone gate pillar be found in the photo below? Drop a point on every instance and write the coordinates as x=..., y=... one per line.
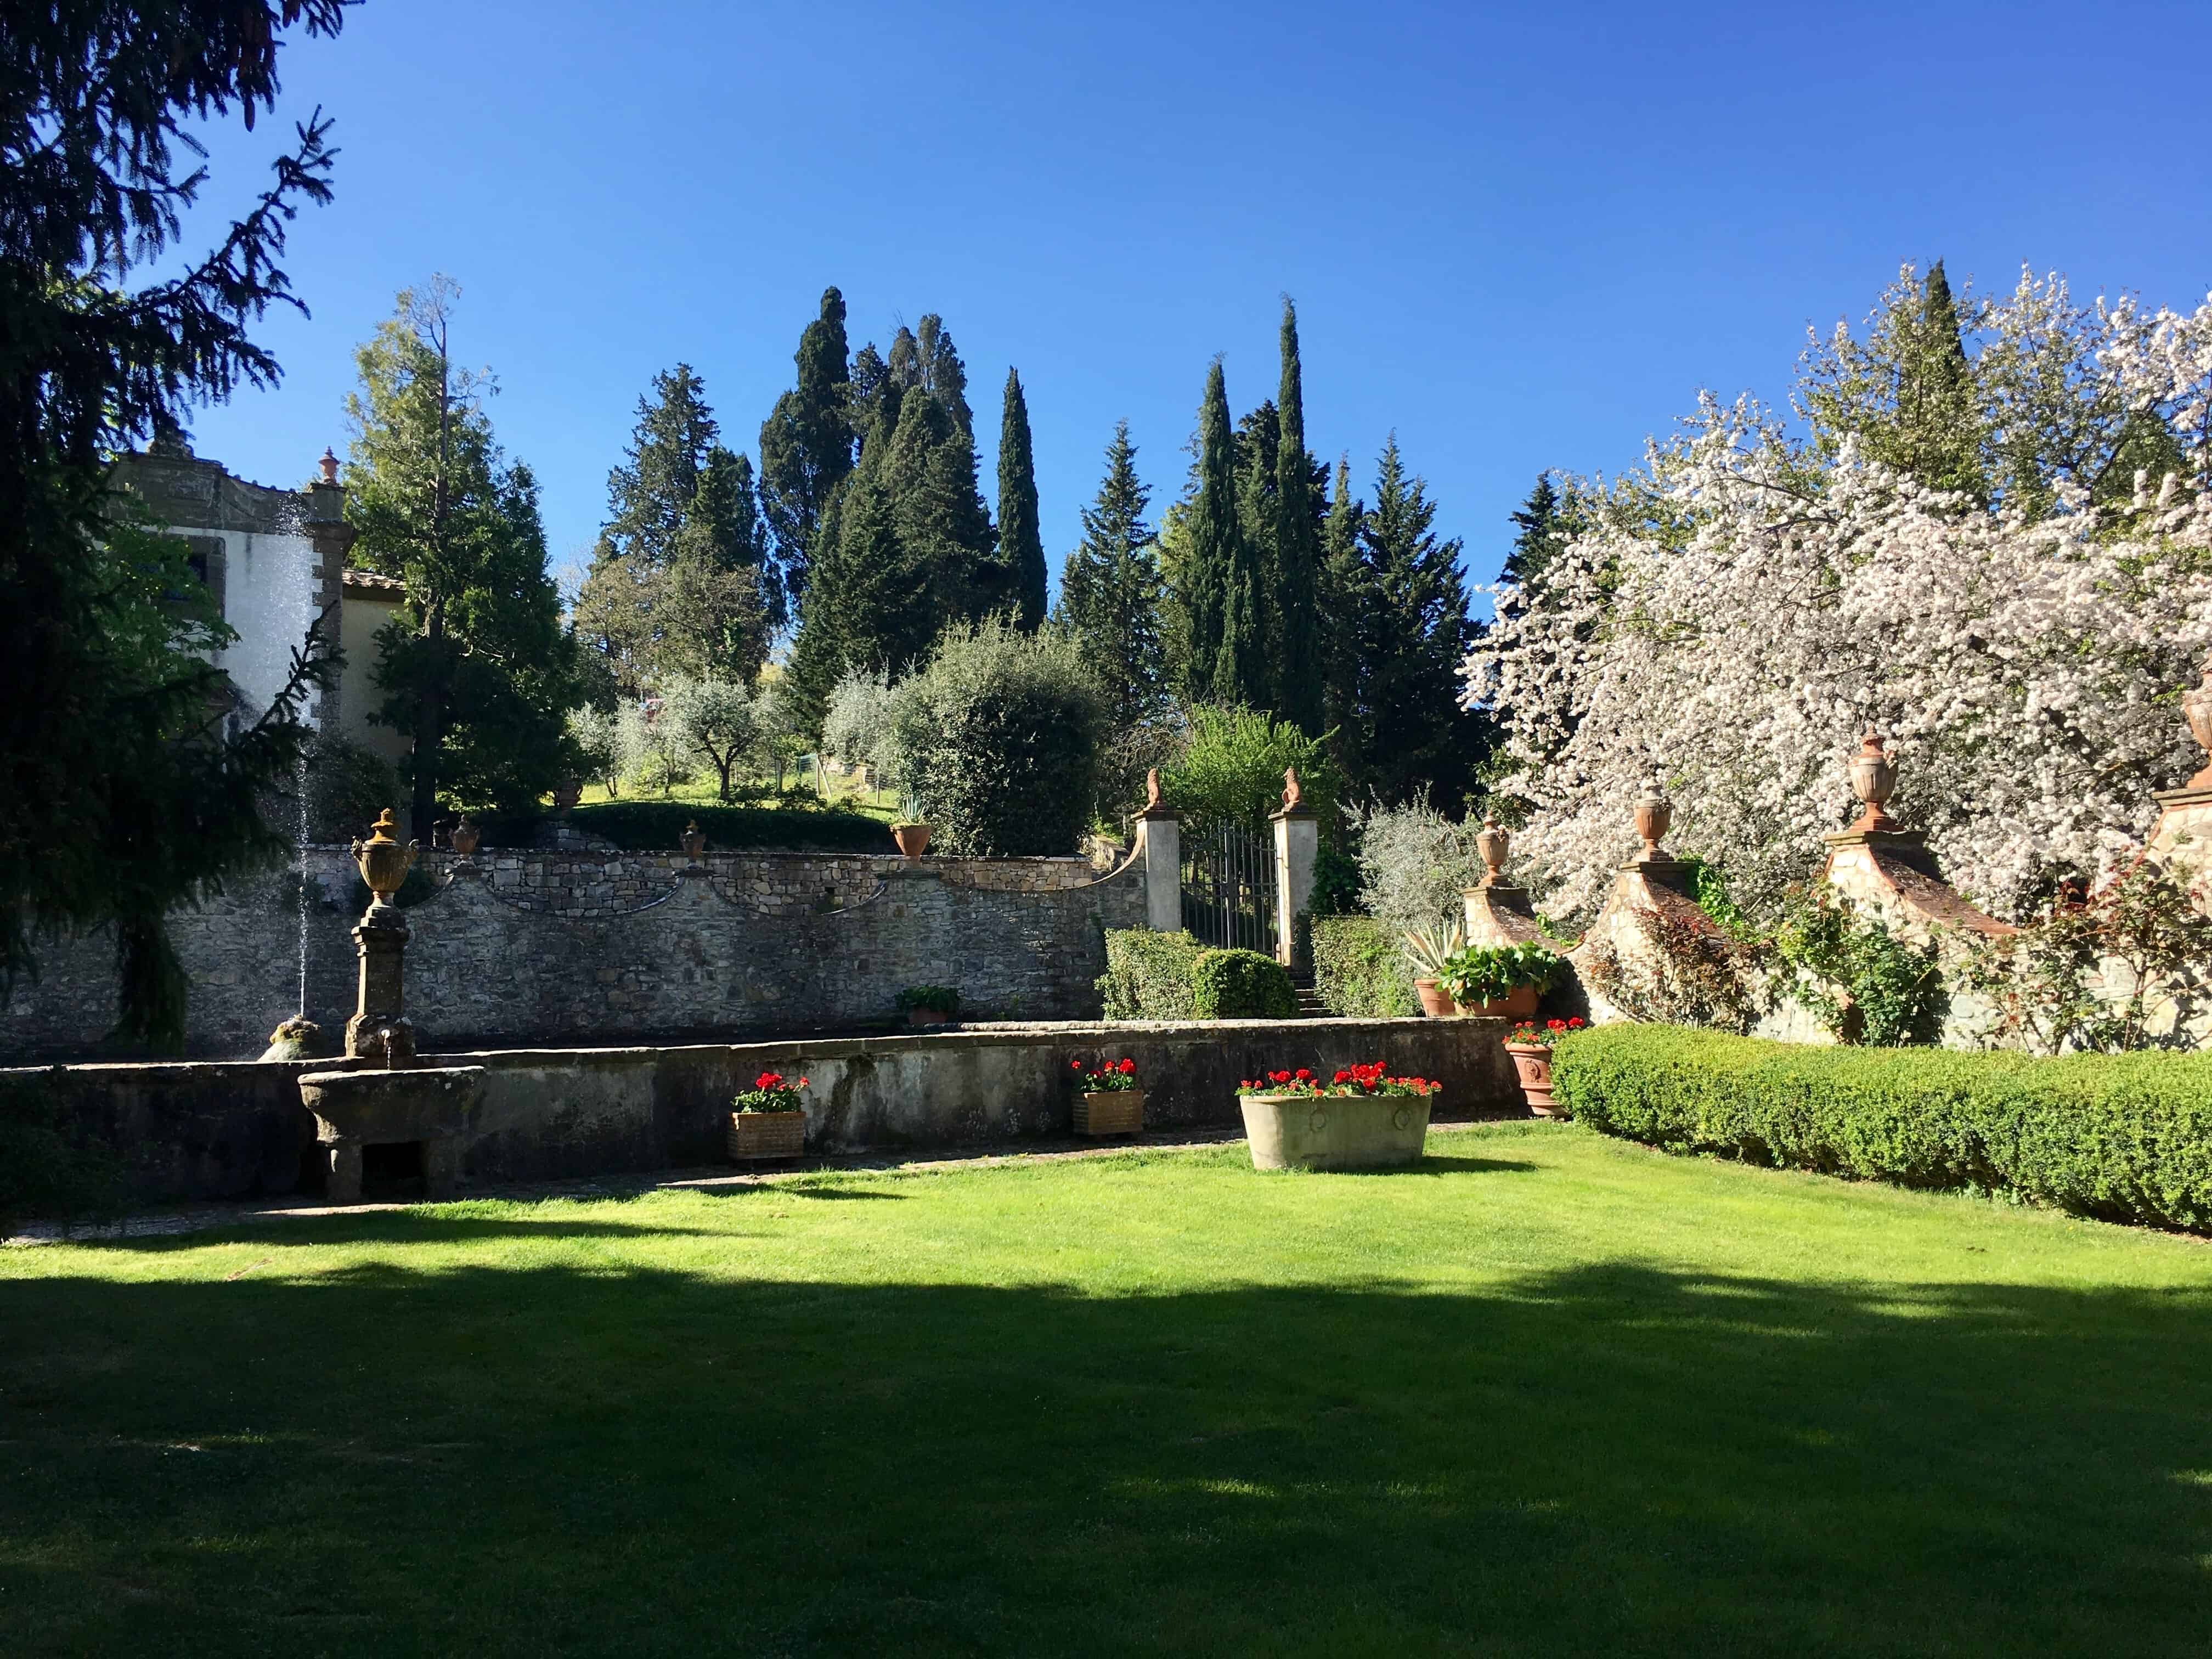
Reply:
x=1159, y=829
x=1297, y=842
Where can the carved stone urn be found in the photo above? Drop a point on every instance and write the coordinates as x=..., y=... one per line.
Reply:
x=1873, y=780
x=1653, y=814
x=383, y=863
x=693, y=841
x=1492, y=843
x=380, y=1029
x=467, y=836
x=2196, y=709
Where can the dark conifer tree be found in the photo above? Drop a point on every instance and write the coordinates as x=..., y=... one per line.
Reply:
x=1110, y=590
x=1228, y=660
x=1298, y=670
x=1544, y=526
x=1021, y=542
x=807, y=445
x=1344, y=601
x=1410, y=632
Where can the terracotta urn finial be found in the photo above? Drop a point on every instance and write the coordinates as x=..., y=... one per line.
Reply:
x=1653, y=814
x=329, y=465
x=1873, y=780
x=1492, y=843
x=2196, y=709
x=693, y=840
x=383, y=863
x=467, y=836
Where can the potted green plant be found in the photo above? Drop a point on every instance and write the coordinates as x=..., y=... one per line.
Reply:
x=1506, y=980
x=1430, y=950
x=1361, y=1118
x=930, y=1005
x=1110, y=1101
x=1530, y=1044
x=769, y=1120
x=911, y=834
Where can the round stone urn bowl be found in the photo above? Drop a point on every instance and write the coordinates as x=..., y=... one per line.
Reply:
x=1335, y=1131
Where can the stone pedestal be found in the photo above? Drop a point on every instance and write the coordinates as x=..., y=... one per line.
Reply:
x=1160, y=838
x=380, y=1031
x=433, y=1107
x=1499, y=916
x=2182, y=840
x=1297, y=843
x=1892, y=872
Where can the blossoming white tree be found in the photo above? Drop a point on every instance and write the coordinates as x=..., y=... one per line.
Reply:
x=1736, y=614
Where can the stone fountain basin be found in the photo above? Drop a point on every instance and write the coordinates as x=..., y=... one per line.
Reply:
x=379, y=1107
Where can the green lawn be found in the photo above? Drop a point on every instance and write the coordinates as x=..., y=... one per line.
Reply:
x=1550, y=1394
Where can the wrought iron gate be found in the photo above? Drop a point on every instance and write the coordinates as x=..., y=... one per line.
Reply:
x=1229, y=889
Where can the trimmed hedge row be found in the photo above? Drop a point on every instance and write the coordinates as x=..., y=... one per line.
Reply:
x=2121, y=1137
x=655, y=826
x=1359, y=971
x=1172, y=976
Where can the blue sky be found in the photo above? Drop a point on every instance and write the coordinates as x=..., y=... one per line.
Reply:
x=1522, y=236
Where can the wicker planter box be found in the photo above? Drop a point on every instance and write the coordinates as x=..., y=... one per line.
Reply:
x=1110, y=1112
x=754, y=1135
x=1335, y=1131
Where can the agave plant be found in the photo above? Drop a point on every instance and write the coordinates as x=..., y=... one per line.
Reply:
x=1429, y=948
x=910, y=808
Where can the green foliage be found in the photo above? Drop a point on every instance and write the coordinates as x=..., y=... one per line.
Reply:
x=475, y=669
x=1240, y=985
x=1543, y=527
x=347, y=786
x=2141, y=936
x=1688, y=970
x=1397, y=629
x=1149, y=975
x=1111, y=592
x=1021, y=541
x=998, y=737
x=1866, y=985
x=1294, y=570
x=2127, y=1138
x=122, y=794
x=1335, y=883
x=1231, y=770
x=806, y=447
x=1358, y=969
x=1490, y=973
x=51, y=1165
x=800, y=823
x=716, y=720
x=1218, y=583
x=929, y=999
x=595, y=747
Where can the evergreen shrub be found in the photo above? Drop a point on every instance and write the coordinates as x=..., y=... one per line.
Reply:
x=1149, y=975
x=799, y=824
x=50, y=1165
x=1358, y=969
x=2121, y=1137
x=999, y=739
x=1241, y=985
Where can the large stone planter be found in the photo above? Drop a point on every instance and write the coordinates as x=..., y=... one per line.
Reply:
x=432, y=1105
x=1110, y=1112
x=1335, y=1131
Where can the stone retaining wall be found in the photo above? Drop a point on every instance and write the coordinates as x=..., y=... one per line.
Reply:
x=229, y=1129
x=539, y=946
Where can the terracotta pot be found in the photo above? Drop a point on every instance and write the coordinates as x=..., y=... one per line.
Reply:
x=693, y=841
x=1435, y=1002
x=567, y=794
x=929, y=1017
x=1110, y=1112
x=467, y=838
x=1534, y=1062
x=756, y=1135
x=1335, y=1131
x=1517, y=1003
x=912, y=839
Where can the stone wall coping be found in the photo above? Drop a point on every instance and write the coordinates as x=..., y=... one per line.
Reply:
x=616, y=855
x=1073, y=1033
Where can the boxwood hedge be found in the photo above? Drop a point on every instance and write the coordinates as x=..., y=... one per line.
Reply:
x=1241, y=985
x=1358, y=969
x=2122, y=1137
x=1172, y=976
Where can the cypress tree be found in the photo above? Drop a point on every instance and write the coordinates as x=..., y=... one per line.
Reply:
x=1228, y=661
x=1021, y=544
x=807, y=445
x=1345, y=599
x=1298, y=670
x=1110, y=590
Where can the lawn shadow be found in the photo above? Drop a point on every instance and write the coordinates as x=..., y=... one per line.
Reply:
x=1613, y=1458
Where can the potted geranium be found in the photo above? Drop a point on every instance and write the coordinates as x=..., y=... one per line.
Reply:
x=911, y=834
x=1359, y=1118
x=769, y=1119
x=1110, y=1101
x=1505, y=979
x=1530, y=1044
x=1430, y=950
x=930, y=1005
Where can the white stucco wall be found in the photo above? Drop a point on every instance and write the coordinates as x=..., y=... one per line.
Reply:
x=268, y=599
